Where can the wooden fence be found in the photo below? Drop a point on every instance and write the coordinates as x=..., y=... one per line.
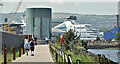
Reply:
x=13, y=52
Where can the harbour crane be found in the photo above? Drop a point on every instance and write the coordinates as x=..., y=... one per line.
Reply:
x=7, y=27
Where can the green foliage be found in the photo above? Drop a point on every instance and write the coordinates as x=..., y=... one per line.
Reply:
x=57, y=39
x=70, y=38
x=117, y=36
x=3, y=46
x=75, y=55
x=84, y=43
x=97, y=38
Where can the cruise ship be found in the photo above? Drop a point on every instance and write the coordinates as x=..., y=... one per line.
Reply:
x=86, y=31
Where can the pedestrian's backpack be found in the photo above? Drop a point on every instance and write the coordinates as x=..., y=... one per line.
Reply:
x=31, y=44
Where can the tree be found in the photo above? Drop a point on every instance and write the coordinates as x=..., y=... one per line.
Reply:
x=84, y=43
x=117, y=36
x=70, y=38
x=97, y=38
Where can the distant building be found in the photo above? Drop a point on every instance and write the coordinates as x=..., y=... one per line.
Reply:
x=111, y=34
x=38, y=22
x=118, y=18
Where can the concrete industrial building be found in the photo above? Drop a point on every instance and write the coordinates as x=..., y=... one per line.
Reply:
x=38, y=22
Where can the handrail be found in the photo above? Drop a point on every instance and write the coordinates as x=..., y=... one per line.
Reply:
x=64, y=56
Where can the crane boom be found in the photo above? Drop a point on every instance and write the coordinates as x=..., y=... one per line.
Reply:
x=16, y=11
x=12, y=18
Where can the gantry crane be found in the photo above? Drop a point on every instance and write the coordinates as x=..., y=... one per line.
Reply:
x=7, y=27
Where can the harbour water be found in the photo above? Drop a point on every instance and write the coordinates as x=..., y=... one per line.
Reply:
x=111, y=54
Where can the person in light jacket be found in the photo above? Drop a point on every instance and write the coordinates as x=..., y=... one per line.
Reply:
x=26, y=45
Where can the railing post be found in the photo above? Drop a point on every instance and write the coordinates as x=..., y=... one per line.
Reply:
x=19, y=51
x=14, y=53
x=68, y=58
x=23, y=49
x=56, y=55
x=50, y=46
x=64, y=58
x=77, y=61
x=5, y=55
x=52, y=50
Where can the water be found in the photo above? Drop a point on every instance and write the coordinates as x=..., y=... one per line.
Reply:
x=111, y=54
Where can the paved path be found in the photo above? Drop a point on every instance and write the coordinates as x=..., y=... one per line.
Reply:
x=41, y=53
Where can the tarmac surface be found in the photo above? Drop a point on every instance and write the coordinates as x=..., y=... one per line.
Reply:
x=41, y=56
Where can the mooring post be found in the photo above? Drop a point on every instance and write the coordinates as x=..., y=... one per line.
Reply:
x=5, y=55
x=19, y=51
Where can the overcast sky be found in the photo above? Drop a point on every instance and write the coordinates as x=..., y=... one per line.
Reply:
x=66, y=6
x=61, y=0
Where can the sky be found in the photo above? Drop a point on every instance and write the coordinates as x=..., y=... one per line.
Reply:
x=103, y=7
x=61, y=0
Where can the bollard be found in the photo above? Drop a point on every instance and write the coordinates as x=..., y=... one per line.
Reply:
x=77, y=61
x=13, y=53
x=56, y=55
x=23, y=49
x=19, y=51
x=5, y=55
x=68, y=59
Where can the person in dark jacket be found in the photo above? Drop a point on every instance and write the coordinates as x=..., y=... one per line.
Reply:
x=32, y=46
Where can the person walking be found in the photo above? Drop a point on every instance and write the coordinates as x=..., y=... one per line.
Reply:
x=32, y=45
x=26, y=45
x=46, y=40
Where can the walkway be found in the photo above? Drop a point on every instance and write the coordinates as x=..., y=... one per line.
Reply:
x=41, y=53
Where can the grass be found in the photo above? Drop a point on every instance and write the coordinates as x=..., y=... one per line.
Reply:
x=80, y=56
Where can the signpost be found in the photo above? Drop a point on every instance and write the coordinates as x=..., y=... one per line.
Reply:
x=61, y=42
x=61, y=39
